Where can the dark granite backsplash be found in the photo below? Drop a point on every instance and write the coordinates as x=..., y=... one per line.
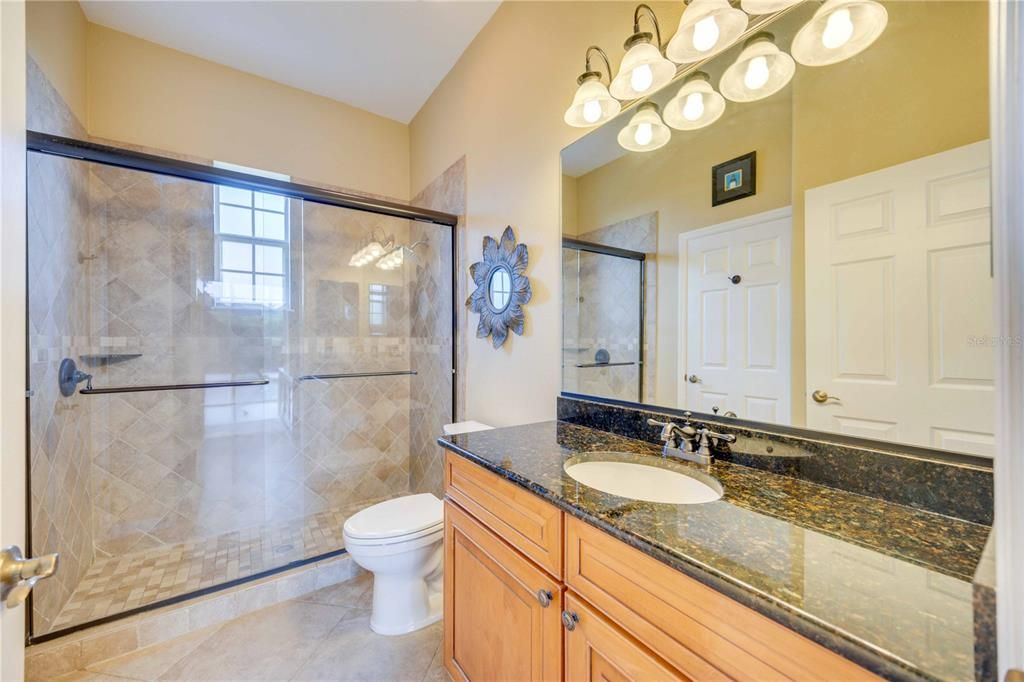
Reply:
x=961, y=490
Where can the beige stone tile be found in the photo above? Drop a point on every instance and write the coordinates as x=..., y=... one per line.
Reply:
x=153, y=661
x=86, y=676
x=355, y=593
x=161, y=627
x=212, y=611
x=257, y=597
x=268, y=644
x=109, y=645
x=354, y=652
x=52, y=662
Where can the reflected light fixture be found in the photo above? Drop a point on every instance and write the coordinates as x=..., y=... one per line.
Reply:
x=395, y=258
x=761, y=70
x=759, y=7
x=645, y=132
x=592, y=104
x=839, y=30
x=696, y=105
x=706, y=28
x=368, y=254
x=643, y=69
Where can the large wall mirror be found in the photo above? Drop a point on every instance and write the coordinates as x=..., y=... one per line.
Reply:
x=851, y=292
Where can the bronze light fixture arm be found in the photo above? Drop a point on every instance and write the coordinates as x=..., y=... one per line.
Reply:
x=640, y=35
x=588, y=70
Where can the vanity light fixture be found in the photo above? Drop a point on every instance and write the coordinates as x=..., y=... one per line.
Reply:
x=643, y=69
x=369, y=253
x=758, y=7
x=696, y=105
x=839, y=30
x=593, y=104
x=396, y=257
x=761, y=70
x=645, y=132
x=706, y=28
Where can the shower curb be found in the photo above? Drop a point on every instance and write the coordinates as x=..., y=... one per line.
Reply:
x=78, y=650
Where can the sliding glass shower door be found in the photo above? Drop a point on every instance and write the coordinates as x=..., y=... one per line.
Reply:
x=252, y=382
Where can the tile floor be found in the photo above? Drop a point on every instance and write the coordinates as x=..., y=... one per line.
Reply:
x=324, y=635
x=120, y=583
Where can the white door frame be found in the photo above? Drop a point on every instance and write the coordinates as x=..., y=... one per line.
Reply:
x=1006, y=71
x=684, y=261
x=12, y=316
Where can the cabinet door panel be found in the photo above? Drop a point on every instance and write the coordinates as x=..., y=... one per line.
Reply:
x=495, y=626
x=597, y=651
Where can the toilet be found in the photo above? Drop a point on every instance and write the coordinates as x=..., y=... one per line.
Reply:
x=401, y=541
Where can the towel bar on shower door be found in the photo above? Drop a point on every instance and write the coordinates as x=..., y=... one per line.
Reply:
x=357, y=375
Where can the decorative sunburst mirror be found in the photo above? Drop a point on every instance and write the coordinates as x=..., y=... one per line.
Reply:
x=501, y=288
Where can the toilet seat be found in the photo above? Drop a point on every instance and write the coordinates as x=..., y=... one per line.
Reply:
x=400, y=520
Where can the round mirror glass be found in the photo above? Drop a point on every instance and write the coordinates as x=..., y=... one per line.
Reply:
x=499, y=288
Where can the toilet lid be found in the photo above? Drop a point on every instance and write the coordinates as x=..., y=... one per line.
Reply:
x=395, y=518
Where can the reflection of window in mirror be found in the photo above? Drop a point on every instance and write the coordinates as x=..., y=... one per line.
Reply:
x=377, y=308
x=849, y=294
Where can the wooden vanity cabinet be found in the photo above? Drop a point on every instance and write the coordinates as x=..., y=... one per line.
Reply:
x=535, y=594
x=503, y=615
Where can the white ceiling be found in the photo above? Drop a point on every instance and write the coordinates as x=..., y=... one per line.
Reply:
x=381, y=56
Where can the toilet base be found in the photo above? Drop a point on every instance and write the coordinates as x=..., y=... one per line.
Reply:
x=403, y=606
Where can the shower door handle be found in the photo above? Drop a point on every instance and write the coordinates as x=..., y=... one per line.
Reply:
x=19, y=575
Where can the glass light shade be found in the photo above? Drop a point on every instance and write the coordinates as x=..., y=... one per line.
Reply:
x=761, y=70
x=645, y=132
x=707, y=27
x=758, y=7
x=593, y=104
x=839, y=30
x=392, y=260
x=642, y=54
x=366, y=255
x=683, y=111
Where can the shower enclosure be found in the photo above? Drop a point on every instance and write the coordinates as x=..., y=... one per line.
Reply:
x=603, y=333
x=265, y=357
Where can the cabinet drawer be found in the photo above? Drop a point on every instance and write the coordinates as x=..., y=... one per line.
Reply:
x=495, y=625
x=597, y=651
x=522, y=519
x=701, y=632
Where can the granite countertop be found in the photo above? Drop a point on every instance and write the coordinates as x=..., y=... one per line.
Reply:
x=885, y=585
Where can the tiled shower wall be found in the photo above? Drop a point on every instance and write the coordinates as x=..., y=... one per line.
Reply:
x=61, y=497
x=120, y=279
x=605, y=314
x=432, y=331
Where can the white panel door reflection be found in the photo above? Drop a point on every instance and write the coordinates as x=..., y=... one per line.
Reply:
x=737, y=318
x=899, y=303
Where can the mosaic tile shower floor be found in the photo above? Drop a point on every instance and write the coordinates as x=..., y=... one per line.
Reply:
x=117, y=584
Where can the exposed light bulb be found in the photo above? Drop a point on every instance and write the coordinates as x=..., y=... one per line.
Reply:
x=757, y=73
x=641, y=78
x=838, y=30
x=694, y=107
x=643, y=134
x=591, y=111
x=705, y=34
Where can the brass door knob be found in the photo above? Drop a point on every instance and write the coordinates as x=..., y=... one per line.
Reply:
x=821, y=396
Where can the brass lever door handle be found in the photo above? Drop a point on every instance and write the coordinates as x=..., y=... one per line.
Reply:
x=821, y=397
x=19, y=575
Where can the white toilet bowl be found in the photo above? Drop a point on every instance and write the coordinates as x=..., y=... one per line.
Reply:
x=400, y=541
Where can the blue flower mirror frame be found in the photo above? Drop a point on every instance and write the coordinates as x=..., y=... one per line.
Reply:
x=501, y=288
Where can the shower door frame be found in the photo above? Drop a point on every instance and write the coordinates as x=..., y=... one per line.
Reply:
x=601, y=249
x=55, y=145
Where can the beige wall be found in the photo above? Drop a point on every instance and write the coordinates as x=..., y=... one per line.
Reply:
x=130, y=90
x=56, y=38
x=501, y=106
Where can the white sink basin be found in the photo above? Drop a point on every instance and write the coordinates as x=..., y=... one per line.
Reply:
x=621, y=475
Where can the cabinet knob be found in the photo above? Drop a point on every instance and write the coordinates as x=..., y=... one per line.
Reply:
x=544, y=597
x=569, y=620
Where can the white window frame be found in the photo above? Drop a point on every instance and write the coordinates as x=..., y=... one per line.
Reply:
x=377, y=294
x=254, y=241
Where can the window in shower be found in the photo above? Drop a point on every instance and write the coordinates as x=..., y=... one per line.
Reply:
x=251, y=248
